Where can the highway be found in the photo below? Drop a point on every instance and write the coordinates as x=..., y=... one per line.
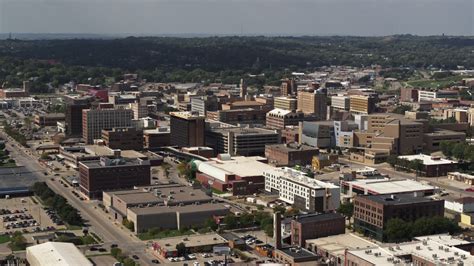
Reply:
x=95, y=218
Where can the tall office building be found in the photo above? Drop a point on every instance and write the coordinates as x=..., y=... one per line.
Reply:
x=362, y=104
x=94, y=121
x=288, y=87
x=187, y=129
x=243, y=88
x=310, y=102
x=74, y=107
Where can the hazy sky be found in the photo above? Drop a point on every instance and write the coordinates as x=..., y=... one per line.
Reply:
x=312, y=17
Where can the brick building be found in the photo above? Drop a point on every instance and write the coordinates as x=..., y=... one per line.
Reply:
x=187, y=129
x=50, y=119
x=290, y=154
x=126, y=138
x=371, y=213
x=109, y=174
x=312, y=226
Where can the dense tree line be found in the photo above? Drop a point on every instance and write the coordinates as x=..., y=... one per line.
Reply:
x=48, y=63
x=461, y=151
x=398, y=230
x=407, y=165
x=58, y=203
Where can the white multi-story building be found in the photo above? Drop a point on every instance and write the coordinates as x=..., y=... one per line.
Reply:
x=428, y=95
x=304, y=193
x=340, y=102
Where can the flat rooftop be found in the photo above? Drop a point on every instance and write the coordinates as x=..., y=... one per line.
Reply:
x=181, y=209
x=121, y=162
x=244, y=131
x=297, y=253
x=186, y=115
x=192, y=241
x=237, y=165
x=299, y=177
x=387, y=186
x=145, y=195
x=337, y=244
x=292, y=147
x=432, y=251
x=315, y=217
x=427, y=159
x=397, y=199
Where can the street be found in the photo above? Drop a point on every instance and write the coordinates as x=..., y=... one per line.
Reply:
x=95, y=218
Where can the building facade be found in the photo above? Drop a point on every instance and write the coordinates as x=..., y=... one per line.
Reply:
x=304, y=193
x=127, y=138
x=95, y=120
x=187, y=129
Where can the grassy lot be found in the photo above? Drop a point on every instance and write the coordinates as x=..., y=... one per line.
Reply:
x=156, y=233
x=438, y=83
x=4, y=239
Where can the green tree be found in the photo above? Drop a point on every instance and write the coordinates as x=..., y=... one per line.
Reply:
x=458, y=151
x=128, y=262
x=346, y=209
x=397, y=230
x=116, y=252
x=17, y=241
x=181, y=249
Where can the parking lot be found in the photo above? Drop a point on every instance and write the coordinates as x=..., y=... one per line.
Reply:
x=22, y=214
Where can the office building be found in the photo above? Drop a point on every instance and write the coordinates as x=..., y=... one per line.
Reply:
x=127, y=138
x=285, y=103
x=313, y=102
x=317, y=134
x=243, y=88
x=436, y=95
x=290, y=154
x=187, y=129
x=248, y=116
x=156, y=138
x=432, y=140
x=304, y=193
x=288, y=87
x=384, y=186
x=408, y=95
x=280, y=119
x=240, y=141
x=371, y=213
x=95, y=120
x=49, y=120
x=105, y=174
x=236, y=174
x=433, y=166
x=74, y=107
x=362, y=104
x=204, y=104
x=315, y=225
x=340, y=102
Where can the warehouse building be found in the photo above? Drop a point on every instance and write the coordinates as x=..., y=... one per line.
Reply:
x=164, y=206
x=238, y=174
x=56, y=254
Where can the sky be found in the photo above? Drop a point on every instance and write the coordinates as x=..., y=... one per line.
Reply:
x=248, y=17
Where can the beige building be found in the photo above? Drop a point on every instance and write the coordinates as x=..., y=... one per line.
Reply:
x=362, y=104
x=471, y=116
x=340, y=102
x=285, y=103
x=461, y=115
x=313, y=103
x=95, y=120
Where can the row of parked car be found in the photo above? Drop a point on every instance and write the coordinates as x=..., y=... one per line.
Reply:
x=14, y=218
x=21, y=224
x=8, y=211
x=54, y=216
